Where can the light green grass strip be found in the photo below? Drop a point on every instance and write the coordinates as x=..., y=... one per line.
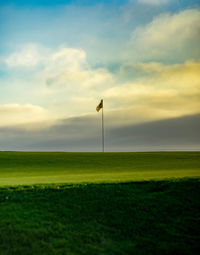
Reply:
x=100, y=177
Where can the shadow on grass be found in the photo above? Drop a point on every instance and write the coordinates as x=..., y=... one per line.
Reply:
x=152, y=217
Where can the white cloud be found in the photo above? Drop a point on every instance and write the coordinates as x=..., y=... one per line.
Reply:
x=168, y=36
x=60, y=80
x=167, y=91
x=68, y=67
x=153, y=2
x=70, y=59
x=14, y=114
x=27, y=56
x=74, y=88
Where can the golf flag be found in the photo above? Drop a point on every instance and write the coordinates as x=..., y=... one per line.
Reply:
x=99, y=106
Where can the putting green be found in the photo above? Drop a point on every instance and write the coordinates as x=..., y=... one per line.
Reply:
x=26, y=168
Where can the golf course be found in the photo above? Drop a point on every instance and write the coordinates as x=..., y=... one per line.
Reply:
x=25, y=168
x=99, y=203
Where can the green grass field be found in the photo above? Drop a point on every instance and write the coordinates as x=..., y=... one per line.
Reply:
x=32, y=168
x=156, y=217
x=99, y=203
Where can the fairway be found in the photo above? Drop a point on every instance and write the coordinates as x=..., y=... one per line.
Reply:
x=21, y=168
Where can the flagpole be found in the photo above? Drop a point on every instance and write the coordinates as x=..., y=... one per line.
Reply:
x=102, y=129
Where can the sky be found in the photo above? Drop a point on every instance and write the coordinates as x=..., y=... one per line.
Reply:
x=59, y=58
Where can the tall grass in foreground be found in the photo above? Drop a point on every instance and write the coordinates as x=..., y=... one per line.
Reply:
x=130, y=218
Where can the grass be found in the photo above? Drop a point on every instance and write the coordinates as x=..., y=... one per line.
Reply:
x=35, y=167
x=152, y=217
x=99, y=208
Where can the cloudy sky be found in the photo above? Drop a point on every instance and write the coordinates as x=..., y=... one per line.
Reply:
x=59, y=58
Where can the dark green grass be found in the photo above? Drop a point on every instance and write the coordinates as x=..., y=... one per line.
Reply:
x=131, y=218
x=36, y=167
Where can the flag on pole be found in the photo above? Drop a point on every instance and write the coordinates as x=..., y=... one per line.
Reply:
x=99, y=106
